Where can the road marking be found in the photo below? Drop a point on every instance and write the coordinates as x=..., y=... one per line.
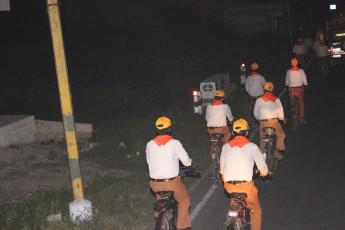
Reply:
x=282, y=92
x=213, y=188
x=203, y=202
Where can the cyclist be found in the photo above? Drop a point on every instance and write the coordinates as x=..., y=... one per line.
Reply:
x=269, y=110
x=162, y=155
x=236, y=166
x=296, y=80
x=254, y=86
x=299, y=50
x=322, y=55
x=218, y=116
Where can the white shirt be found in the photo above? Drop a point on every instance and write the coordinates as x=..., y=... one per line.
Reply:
x=255, y=85
x=268, y=110
x=308, y=42
x=298, y=49
x=295, y=78
x=322, y=51
x=163, y=161
x=237, y=163
x=216, y=115
x=316, y=44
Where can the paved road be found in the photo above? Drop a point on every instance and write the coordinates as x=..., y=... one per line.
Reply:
x=308, y=190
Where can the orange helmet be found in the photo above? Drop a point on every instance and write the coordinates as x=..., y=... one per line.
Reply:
x=268, y=86
x=254, y=66
x=219, y=93
x=294, y=61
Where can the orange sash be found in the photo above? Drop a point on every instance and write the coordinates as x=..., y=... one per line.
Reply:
x=217, y=102
x=268, y=96
x=162, y=139
x=238, y=141
x=254, y=73
x=295, y=68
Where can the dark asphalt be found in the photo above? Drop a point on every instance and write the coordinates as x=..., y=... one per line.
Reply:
x=308, y=189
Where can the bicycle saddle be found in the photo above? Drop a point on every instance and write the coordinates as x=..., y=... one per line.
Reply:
x=218, y=136
x=165, y=193
x=159, y=205
x=238, y=196
x=269, y=130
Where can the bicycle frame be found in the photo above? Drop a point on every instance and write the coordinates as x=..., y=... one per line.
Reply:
x=295, y=109
x=167, y=209
x=167, y=205
x=216, y=148
x=270, y=138
x=238, y=217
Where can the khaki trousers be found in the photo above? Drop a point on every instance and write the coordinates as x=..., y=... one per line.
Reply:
x=181, y=196
x=252, y=201
x=299, y=90
x=279, y=131
x=225, y=130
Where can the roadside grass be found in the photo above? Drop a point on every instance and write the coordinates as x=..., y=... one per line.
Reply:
x=118, y=203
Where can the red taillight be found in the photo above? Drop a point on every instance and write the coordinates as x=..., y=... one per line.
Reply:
x=243, y=65
x=329, y=50
x=195, y=93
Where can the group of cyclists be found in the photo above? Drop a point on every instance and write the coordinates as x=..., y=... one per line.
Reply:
x=318, y=46
x=238, y=154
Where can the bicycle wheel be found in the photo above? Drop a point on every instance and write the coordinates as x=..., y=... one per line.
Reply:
x=165, y=221
x=247, y=225
x=295, y=114
x=233, y=223
x=217, y=168
x=270, y=159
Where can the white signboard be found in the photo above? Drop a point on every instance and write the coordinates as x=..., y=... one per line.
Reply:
x=4, y=5
x=332, y=6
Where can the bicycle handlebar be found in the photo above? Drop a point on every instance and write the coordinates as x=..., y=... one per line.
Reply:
x=187, y=171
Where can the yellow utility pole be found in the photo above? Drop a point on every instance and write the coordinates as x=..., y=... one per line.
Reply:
x=65, y=97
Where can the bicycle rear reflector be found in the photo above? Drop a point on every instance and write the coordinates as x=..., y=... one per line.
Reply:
x=232, y=213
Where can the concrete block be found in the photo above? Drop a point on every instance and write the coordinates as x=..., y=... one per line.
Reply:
x=54, y=130
x=17, y=129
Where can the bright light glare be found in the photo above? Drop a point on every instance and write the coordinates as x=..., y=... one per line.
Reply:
x=195, y=93
x=232, y=213
x=332, y=6
x=243, y=65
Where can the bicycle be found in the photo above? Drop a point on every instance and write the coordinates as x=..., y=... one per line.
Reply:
x=238, y=217
x=295, y=110
x=300, y=59
x=323, y=62
x=270, y=138
x=216, y=148
x=167, y=205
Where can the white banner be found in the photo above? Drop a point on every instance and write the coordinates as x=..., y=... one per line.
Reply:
x=4, y=5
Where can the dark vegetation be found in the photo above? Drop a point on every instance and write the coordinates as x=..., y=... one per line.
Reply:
x=125, y=70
